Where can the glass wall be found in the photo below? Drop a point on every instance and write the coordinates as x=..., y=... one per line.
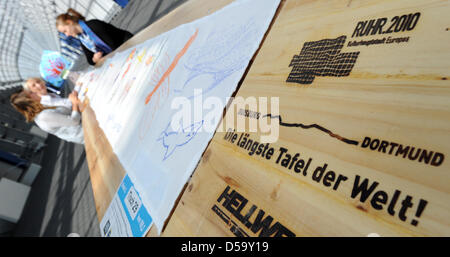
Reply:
x=27, y=28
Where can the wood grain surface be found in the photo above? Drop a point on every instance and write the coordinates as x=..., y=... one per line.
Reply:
x=363, y=89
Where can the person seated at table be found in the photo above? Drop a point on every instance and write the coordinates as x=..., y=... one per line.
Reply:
x=37, y=86
x=60, y=121
x=97, y=38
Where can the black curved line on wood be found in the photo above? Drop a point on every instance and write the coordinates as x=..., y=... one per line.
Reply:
x=296, y=125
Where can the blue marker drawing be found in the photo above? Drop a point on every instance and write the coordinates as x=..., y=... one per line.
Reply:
x=208, y=65
x=224, y=53
x=173, y=139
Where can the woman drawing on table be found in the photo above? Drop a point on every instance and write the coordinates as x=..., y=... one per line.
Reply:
x=97, y=38
x=60, y=121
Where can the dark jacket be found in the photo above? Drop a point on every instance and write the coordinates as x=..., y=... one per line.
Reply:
x=112, y=36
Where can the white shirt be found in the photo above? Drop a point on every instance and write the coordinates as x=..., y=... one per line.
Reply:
x=61, y=122
x=55, y=100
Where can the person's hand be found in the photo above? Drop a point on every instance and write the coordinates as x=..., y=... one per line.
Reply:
x=97, y=57
x=73, y=97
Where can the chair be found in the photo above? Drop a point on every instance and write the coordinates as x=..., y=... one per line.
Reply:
x=13, y=197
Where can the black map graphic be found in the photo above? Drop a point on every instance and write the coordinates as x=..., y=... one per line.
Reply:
x=321, y=58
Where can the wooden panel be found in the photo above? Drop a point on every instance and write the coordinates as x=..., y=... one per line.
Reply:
x=393, y=89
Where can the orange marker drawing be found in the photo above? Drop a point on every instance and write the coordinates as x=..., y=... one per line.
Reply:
x=149, y=60
x=172, y=66
x=129, y=65
x=128, y=68
x=131, y=54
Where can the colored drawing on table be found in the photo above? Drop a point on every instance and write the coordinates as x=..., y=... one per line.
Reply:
x=131, y=55
x=172, y=139
x=140, y=57
x=126, y=90
x=226, y=52
x=161, y=91
x=112, y=124
x=91, y=77
x=152, y=108
x=127, y=70
x=172, y=65
x=113, y=82
x=149, y=60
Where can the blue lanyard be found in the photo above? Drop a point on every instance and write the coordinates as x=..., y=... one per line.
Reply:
x=99, y=44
